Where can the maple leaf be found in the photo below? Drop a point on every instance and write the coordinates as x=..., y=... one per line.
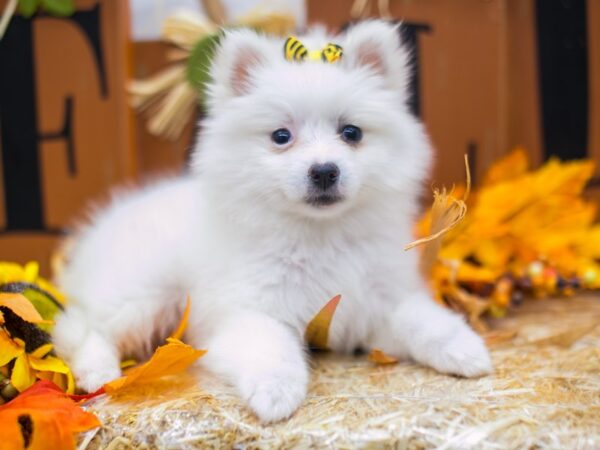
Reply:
x=511, y=166
x=42, y=417
x=379, y=357
x=178, y=333
x=169, y=359
x=317, y=330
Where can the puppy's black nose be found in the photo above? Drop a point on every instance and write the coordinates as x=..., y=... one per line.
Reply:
x=324, y=176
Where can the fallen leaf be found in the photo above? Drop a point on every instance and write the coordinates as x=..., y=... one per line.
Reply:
x=565, y=338
x=514, y=164
x=169, y=359
x=83, y=397
x=494, y=338
x=42, y=417
x=178, y=333
x=317, y=330
x=379, y=357
x=446, y=213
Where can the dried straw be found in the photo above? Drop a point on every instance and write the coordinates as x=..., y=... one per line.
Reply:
x=446, y=213
x=543, y=394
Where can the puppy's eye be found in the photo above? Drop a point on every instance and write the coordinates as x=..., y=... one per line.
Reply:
x=281, y=136
x=351, y=134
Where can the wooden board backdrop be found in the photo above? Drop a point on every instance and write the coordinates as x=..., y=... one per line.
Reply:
x=65, y=124
x=479, y=74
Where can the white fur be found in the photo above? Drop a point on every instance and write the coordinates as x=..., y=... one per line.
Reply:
x=258, y=261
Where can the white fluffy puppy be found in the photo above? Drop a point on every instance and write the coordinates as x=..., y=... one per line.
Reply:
x=303, y=185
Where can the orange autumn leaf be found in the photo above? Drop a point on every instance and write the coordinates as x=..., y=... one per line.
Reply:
x=379, y=357
x=22, y=307
x=50, y=417
x=178, y=333
x=317, y=331
x=499, y=337
x=513, y=165
x=169, y=359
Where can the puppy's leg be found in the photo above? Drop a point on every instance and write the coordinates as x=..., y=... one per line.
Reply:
x=434, y=336
x=92, y=337
x=263, y=359
x=94, y=360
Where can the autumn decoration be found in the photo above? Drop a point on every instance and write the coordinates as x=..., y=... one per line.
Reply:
x=43, y=417
x=483, y=254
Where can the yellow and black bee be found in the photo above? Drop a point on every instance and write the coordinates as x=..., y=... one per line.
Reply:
x=294, y=50
x=331, y=53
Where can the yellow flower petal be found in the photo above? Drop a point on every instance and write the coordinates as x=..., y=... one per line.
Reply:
x=32, y=269
x=55, y=365
x=22, y=376
x=9, y=349
x=49, y=364
x=42, y=351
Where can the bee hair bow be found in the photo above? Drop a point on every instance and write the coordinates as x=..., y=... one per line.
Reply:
x=294, y=50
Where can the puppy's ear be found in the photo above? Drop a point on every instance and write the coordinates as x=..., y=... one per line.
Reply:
x=239, y=53
x=376, y=44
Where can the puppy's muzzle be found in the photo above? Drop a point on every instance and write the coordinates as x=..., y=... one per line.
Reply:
x=324, y=180
x=324, y=176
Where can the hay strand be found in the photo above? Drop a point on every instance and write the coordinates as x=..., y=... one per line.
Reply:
x=446, y=213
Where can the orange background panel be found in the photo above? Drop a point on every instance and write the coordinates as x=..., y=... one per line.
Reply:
x=102, y=126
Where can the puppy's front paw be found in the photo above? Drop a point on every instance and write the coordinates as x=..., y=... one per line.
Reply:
x=275, y=396
x=463, y=354
x=93, y=378
x=91, y=373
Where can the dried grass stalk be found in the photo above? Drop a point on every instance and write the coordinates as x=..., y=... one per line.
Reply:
x=446, y=213
x=174, y=111
x=184, y=30
x=144, y=93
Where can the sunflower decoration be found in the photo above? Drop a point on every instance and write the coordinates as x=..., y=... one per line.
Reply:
x=541, y=242
x=28, y=304
x=170, y=97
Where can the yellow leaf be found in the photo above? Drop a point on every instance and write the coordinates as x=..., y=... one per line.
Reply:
x=474, y=274
x=169, y=359
x=511, y=166
x=22, y=307
x=495, y=338
x=379, y=357
x=178, y=333
x=317, y=331
x=447, y=212
x=566, y=338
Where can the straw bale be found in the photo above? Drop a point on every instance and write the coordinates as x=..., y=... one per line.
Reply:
x=545, y=393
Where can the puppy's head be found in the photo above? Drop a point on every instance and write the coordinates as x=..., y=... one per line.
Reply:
x=311, y=139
